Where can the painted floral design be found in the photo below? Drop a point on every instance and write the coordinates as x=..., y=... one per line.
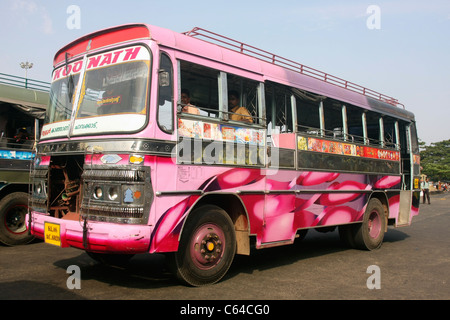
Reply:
x=315, y=199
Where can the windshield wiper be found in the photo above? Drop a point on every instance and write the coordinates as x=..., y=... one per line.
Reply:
x=70, y=83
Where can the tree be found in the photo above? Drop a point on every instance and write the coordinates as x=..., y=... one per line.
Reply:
x=435, y=160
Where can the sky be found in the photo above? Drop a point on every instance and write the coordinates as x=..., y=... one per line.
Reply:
x=400, y=48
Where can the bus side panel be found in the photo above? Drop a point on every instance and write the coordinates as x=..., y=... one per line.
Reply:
x=281, y=204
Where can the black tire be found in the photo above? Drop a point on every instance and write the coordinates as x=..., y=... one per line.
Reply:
x=13, y=228
x=347, y=234
x=207, y=247
x=301, y=234
x=369, y=234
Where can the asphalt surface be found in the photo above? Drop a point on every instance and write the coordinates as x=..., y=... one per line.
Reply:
x=413, y=263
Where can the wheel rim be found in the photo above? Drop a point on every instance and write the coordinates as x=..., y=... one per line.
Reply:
x=374, y=225
x=207, y=246
x=15, y=219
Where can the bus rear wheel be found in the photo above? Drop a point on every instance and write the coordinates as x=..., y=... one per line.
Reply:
x=13, y=210
x=207, y=247
x=369, y=234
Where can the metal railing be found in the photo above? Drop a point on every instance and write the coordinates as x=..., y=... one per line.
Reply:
x=24, y=82
x=286, y=63
x=15, y=144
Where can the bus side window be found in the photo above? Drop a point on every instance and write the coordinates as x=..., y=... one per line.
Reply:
x=308, y=116
x=334, y=127
x=246, y=92
x=165, y=94
x=202, y=85
x=279, y=109
x=355, y=124
x=390, y=133
x=279, y=113
x=373, y=128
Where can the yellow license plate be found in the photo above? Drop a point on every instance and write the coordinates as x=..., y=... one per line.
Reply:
x=52, y=233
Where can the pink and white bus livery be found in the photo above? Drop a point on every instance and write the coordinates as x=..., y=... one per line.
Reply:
x=120, y=170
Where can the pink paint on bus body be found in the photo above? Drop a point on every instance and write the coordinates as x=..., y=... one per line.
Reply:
x=272, y=217
x=278, y=217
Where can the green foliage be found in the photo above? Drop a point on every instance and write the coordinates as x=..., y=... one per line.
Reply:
x=435, y=160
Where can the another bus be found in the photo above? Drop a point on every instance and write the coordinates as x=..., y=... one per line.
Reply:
x=121, y=169
x=22, y=112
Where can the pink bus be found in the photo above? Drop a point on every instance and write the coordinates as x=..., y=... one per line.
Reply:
x=201, y=147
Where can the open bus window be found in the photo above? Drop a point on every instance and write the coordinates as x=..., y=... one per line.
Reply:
x=16, y=127
x=373, y=128
x=355, y=124
x=245, y=91
x=203, y=88
x=334, y=126
x=278, y=109
x=390, y=134
x=308, y=117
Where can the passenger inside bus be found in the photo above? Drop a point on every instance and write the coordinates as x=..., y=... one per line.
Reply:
x=238, y=113
x=186, y=103
x=21, y=139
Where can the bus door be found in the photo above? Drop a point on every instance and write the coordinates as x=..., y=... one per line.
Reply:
x=409, y=147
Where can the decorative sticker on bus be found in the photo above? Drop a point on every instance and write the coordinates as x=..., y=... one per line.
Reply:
x=347, y=149
x=103, y=60
x=220, y=132
x=211, y=143
x=16, y=155
x=55, y=129
x=109, y=123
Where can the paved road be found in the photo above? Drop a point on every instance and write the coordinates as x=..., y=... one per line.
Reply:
x=413, y=263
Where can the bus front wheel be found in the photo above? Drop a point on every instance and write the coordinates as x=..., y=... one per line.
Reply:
x=207, y=247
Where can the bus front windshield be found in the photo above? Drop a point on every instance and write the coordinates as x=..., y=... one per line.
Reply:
x=111, y=96
x=116, y=89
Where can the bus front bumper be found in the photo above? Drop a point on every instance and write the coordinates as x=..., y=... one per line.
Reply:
x=92, y=236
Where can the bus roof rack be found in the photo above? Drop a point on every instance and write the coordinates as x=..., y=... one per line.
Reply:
x=266, y=56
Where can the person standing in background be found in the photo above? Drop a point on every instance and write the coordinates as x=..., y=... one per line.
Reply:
x=426, y=190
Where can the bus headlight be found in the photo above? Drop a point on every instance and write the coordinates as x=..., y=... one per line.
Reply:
x=98, y=193
x=38, y=188
x=117, y=195
x=113, y=193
